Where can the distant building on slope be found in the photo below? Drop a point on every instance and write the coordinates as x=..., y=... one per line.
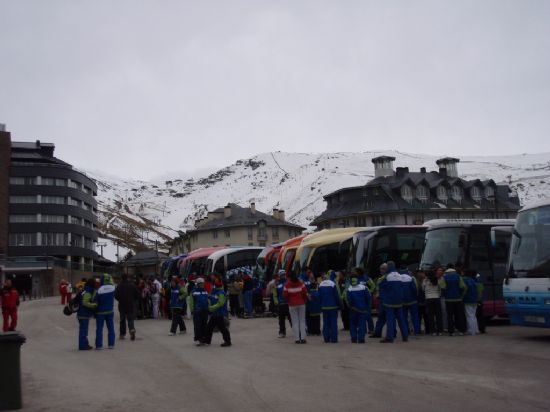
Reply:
x=233, y=225
x=402, y=197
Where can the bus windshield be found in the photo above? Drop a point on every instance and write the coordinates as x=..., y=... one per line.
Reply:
x=442, y=247
x=530, y=251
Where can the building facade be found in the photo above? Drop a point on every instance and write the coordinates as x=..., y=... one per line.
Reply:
x=233, y=225
x=402, y=197
x=49, y=207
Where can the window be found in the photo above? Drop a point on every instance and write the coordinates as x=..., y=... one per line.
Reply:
x=262, y=231
x=55, y=200
x=489, y=192
x=53, y=219
x=89, y=243
x=87, y=223
x=76, y=220
x=214, y=234
x=456, y=193
x=22, y=199
x=86, y=206
x=16, y=180
x=422, y=193
x=74, y=202
x=442, y=193
x=475, y=193
x=479, y=251
x=75, y=185
x=77, y=240
x=227, y=233
x=48, y=181
x=61, y=182
x=275, y=232
x=87, y=190
x=23, y=218
x=406, y=193
x=54, y=239
x=22, y=239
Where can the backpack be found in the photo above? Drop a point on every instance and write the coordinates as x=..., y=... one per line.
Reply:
x=73, y=305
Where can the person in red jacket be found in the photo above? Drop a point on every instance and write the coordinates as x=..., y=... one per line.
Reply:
x=63, y=291
x=10, y=301
x=295, y=293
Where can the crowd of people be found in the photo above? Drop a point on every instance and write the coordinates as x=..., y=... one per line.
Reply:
x=447, y=299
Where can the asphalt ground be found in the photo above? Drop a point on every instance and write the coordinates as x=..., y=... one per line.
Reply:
x=507, y=369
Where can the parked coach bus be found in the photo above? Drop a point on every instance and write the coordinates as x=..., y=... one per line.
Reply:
x=527, y=286
x=267, y=261
x=326, y=250
x=377, y=245
x=231, y=258
x=195, y=262
x=468, y=242
x=285, y=260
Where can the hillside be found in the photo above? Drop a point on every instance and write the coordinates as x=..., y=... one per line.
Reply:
x=135, y=213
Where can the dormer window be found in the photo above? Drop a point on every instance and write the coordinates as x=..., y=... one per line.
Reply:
x=476, y=194
x=456, y=193
x=489, y=192
x=406, y=193
x=422, y=193
x=442, y=193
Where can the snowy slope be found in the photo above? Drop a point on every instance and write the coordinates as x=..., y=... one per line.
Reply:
x=135, y=212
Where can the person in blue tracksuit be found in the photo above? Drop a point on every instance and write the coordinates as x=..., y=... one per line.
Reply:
x=306, y=279
x=105, y=298
x=178, y=304
x=330, y=302
x=198, y=305
x=453, y=289
x=314, y=310
x=85, y=312
x=218, y=313
x=391, y=292
x=410, y=301
x=358, y=299
x=366, y=281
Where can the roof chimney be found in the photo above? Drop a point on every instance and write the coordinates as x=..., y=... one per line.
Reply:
x=281, y=215
x=422, y=170
x=227, y=211
x=448, y=163
x=2, y=127
x=276, y=213
x=383, y=166
x=402, y=171
x=253, y=208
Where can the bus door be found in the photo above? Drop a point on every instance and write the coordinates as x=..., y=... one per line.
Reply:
x=500, y=249
x=479, y=260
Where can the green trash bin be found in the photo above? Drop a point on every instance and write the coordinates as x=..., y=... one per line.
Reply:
x=10, y=365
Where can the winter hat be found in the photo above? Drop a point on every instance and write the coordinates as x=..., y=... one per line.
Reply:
x=281, y=272
x=391, y=266
x=200, y=281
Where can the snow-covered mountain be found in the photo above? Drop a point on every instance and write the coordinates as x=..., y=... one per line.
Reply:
x=134, y=212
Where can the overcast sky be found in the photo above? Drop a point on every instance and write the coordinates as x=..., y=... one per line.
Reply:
x=142, y=88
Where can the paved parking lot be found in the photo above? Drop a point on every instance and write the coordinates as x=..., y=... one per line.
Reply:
x=508, y=369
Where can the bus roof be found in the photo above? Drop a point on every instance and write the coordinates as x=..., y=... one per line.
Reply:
x=218, y=254
x=536, y=204
x=438, y=223
x=203, y=251
x=399, y=227
x=327, y=236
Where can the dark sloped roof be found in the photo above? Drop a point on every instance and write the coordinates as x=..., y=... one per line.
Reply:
x=241, y=216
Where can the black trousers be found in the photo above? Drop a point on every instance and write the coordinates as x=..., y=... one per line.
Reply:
x=345, y=316
x=456, y=319
x=314, y=327
x=480, y=318
x=126, y=317
x=283, y=314
x=177, y=320
x=434, y=317
x=200, y=320
x=216, y=321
